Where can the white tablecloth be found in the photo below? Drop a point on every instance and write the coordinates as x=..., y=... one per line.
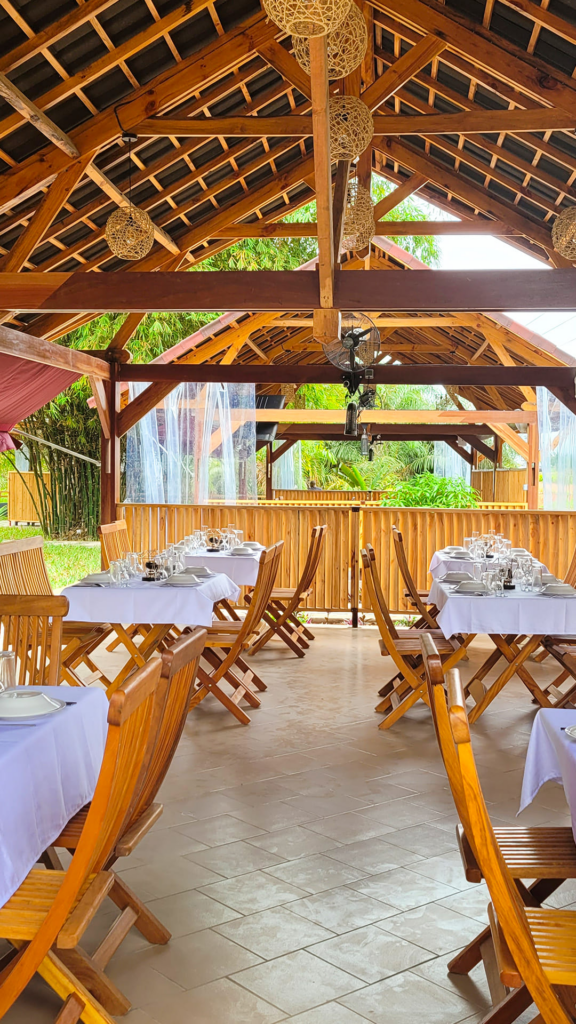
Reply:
x=442, y=562
x=48, y=771
x=243, y=569
x=148, y=602
x=551, y=756
x=513, y=612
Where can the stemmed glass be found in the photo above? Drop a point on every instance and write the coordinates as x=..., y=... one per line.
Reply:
x=7, y=670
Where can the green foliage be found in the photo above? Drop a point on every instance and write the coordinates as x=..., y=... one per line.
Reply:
x=424, y=247
x=429, y=491
x=66, y=562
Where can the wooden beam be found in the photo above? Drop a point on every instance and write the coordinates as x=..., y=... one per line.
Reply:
x=126, y=330
x=32, y=113
x=559, y=377
x=476, y=226
x=480, y=446
x=462, y=452
x=101, y=401
x=322, y=168
x=15, y=343
x=533, y=465
x=417, y=291
x=110, y=454
x=402, y=192
x=429, y=416
x=112, y=190
x=55, y=31
x=402, y=71
x=259, y=229
x=50, y=205
x=474, y=195
x=505, y=358
x=540, y=15
x=200, y=127
x=339, y=206
x=394, y=321
x=279, y=452
x=471, y=122
x=286, y=65
x=523, y=72
x=511, y=437
x=171, y=87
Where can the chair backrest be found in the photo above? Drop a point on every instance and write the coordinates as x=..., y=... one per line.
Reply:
x=411, y=587
x=441, y=718
x=267, y=572
x=32, y=628
x=373, y=582
x=570, y=576
x=130, y=716
x=179, y=667
x=312, y=559
x=114, y=541
x=22, y=567
x=506, y=899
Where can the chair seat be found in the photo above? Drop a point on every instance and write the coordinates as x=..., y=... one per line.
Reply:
x=411, y=644
x=554, y=936
x=23, y=914
x=422, y=594
x=538, y=852
x=283, y=593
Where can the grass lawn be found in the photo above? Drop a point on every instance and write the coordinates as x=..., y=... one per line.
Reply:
x=67, y=561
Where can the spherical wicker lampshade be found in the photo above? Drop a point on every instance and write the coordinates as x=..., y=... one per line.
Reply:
x=307, y=17
x=129, y=232
x=564, y=233
x=351, y=127
x=358, y=218
x=346, y=46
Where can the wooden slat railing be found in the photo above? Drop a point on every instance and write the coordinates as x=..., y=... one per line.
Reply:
x=550, y=536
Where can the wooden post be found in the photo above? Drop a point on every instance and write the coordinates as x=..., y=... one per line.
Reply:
x=110, y=449
x=269, y=464
x=354, y=563
x=533, y=465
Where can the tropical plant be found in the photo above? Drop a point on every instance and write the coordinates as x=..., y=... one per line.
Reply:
x=429, y=491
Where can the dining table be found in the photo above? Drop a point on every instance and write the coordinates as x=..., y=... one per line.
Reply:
x=551, y=757
x=49, y=768
x=516, y=621
x=242, y=569
x=156, y=605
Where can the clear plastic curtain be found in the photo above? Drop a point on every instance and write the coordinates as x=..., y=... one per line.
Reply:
x=557, y=429
x=287, y=470
x=447, y=462
x=198, y=446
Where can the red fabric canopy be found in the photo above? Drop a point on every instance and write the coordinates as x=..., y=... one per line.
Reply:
x=25, y=387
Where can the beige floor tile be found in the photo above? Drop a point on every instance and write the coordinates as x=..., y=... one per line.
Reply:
x=342, y=909
x=349, y=828
x=402, y=888
x=190, y=911
x=325, y=806
x=165, y=876
x=193, y=960
x=406, y=998
x=263, y=792
x=273, y=933
x=235, y=859
x=220, y=1002
x=297, y=981
x=279, y=814
x=472, y=902
x=317, y=873
x=370, y=953
x=290, y=843
x=446, y=868
x=423, y=839
x=375, y=855
x=434, y=927
x=213, y=804
x=473, y=987
x=401, y=813
x=251, y=893
x=329, y=1013
x=137, y=978
x=220, y=830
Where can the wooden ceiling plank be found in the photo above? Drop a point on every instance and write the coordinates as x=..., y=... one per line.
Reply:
x=36, y=117
x=112, y=190
x=513, y=439
x=322, y=168
x=286, y=65
x=445, y=227
x=545, y=18
x=53, y=33
x=402, y=71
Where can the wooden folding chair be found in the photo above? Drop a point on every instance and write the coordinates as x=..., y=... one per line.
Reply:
x=535, y=946
x=227, y=641
x=32, y=628
x=418, y=598
x=51, y=910
x=545, y=854
x=281, y=610
x=408, y=685
x=114, y=541
x=23, y=571
x=178, y=674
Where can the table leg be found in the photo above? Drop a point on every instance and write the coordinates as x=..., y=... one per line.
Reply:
x=517, y=661
x=138, y=656
x=511, y=651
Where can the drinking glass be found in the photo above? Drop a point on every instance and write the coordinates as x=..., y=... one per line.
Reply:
x=475, y=534
x=467, y=543
x=488, y=579
x=116, y=573
x=7, y=670
x=477, y=570
x=537, y=585
x=497, y=585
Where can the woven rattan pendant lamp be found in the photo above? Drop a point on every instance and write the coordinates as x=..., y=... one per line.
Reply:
x=307, y=17
x=351, y=127
x=564, y=233
x=346, y=46
x=359, y=227
x=129, y=230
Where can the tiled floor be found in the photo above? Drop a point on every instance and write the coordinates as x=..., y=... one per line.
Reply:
x=306, y=864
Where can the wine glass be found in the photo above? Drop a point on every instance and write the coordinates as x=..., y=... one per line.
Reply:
x=7, y=670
